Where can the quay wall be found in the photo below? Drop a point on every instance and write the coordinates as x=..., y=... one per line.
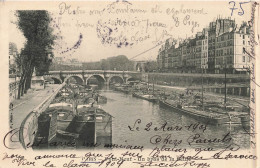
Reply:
x=237, y=84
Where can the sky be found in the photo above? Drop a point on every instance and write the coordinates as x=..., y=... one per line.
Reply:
x=91, y=31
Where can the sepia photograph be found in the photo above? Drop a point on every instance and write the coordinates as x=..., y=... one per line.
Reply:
x=130, y=83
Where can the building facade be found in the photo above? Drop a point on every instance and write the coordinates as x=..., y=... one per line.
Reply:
x=12, y=56
x=218, y=48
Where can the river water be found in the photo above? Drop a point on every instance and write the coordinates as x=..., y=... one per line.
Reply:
x=138, y=122
x=158, y=126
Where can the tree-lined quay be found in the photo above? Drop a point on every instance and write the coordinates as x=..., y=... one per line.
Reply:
x=37, y=52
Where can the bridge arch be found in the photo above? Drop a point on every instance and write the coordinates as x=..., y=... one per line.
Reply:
x=115, y=78
x=78, y=79
x=130, y=79
x=56, y=80
x=100, y=78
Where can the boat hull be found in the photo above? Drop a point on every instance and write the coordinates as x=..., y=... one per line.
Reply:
x=145, y=98
x=203, y=118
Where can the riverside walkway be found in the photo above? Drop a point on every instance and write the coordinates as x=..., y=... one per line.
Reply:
x=22, y=107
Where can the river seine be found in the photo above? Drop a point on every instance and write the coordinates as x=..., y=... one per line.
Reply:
x=139, y=122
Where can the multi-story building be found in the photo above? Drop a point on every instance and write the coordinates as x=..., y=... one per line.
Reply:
x=223, y=44
x=191, y=51
x=241, y=43
x=183, y=59
x=163, y=58
x=211, y=47
x=176, y=61
x=216, y=49
x=198, y=52
x=230, y=55
x=160, y=59
x=204, y=50
x=12, y=55
x=168, y=53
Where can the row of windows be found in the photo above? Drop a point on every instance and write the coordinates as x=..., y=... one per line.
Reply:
x=198, y=49
x=244, y=43
x=204, y=55
x=216, y=39
x=219, y=61
x=198, y=43
x=244, y=36
x=222, y=61
x=204, y=42
x=244, y=59
x=204, y=62
x=225, y=52
x=198, y=62
x=212, y=48
x=228, y=51
x=225, y=37
x=225, y=44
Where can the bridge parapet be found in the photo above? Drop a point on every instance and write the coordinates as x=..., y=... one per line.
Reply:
x=91, y=72
x=105, y=75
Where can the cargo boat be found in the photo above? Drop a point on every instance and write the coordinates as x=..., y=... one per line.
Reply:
x=79, y=117
x=209, y=113
x=125, y=88
x=204, y=116
x=92, y=124
x=148, y=97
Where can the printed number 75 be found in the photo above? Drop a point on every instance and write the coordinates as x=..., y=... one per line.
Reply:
x=233, y=8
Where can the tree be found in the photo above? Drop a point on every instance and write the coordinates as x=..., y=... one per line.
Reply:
x=151, y=66
x=37, y=51
x=105, y=64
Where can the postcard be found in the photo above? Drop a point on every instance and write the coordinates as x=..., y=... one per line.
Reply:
x=125, y=83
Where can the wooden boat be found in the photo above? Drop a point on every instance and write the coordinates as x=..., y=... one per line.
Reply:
x=78, y=118
x=122, y=89
x=215, y=114
x=101, y=99
x=148, y=97
x=204, y=116
x=92, y=124
x=65, y=115
x=125, y=88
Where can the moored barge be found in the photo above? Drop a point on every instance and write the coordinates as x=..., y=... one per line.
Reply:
x=204, y=116
x=148, y=97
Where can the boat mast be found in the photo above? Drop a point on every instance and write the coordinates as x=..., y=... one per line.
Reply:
x=225, y=100
x=202, y=89
x=95, y=125
x=148, y=85
x=153, y=85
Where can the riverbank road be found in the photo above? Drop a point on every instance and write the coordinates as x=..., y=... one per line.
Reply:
x=22, y=107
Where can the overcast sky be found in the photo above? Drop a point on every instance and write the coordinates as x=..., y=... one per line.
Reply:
x=100, y=21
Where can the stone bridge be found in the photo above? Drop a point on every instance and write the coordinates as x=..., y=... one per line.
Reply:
x=83, y=76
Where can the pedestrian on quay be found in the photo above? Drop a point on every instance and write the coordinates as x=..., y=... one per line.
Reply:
x=11, y=106
x=11, y=118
